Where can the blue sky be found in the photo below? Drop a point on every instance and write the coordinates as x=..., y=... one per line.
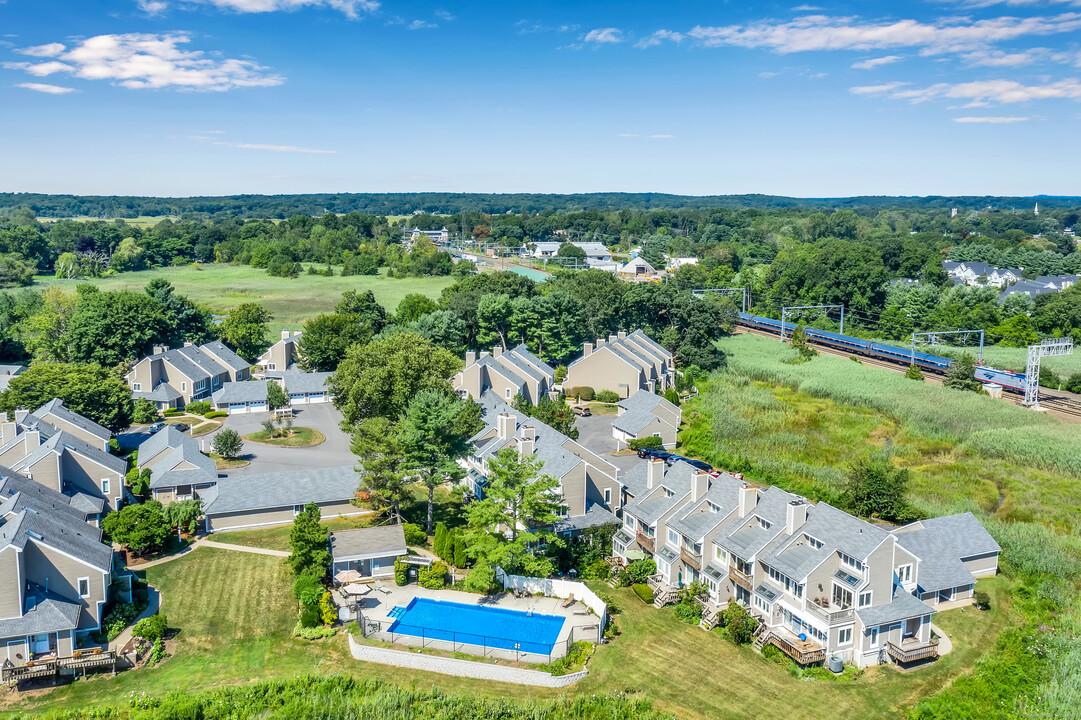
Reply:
x=209, y=97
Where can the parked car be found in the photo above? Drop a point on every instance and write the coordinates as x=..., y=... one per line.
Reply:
x=698, y=464
x=182, y=427
x=659, y=454
x=583, y=411
x=154, y=427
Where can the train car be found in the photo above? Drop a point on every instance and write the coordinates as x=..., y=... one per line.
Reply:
x=1005, y=378
x=921, y=360
x=843, y=342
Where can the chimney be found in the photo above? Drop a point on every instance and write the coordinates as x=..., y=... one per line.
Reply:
x=621, y=334
x=600, y=341
x=587, y=349
x=748, y=498
x=797, y=515
x=3, y=417
x=470, y=357
x=21, y=414
x=528, y=441
x=8, y=431
x=497, y=350
x=160, y=349
x=285, y=334
x=654, y=472
x=296, y=333
x=699, y=485
x=503, y=423
x=612, y=338
x=188, y=343
x=484, y=354
x=33, y=439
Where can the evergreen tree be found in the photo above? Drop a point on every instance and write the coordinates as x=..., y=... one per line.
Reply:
x=308, y=541
x=961, y=374
x=439, y=543
x=460, y=559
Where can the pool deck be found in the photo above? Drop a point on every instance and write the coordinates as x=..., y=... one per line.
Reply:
x=377, y=606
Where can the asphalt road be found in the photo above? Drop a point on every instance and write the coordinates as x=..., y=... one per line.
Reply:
x=595, y=432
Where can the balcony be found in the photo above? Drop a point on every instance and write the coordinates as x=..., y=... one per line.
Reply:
x=741, y=578
x=89, y=659
x=35, y=669
x=912, y=650
x=831, y=615
x=690, y=559
x=646, y=542
x=804, y=652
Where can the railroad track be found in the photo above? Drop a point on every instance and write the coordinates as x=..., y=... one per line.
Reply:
x=1057, y=403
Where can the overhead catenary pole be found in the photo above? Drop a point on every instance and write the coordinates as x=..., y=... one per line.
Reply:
x=1048, y=347
x=785, y=309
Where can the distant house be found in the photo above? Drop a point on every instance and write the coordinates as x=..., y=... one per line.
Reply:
x=623, y=363
x=438, y=237
x=645, y=414
x=970, y=273
x=674, y=264
x=637, y=268
x=7, y=372
x=595, y=251
x=173, y=378
x=506, y=374
x=283, y=354
x=1042, y=285
x=368, y=551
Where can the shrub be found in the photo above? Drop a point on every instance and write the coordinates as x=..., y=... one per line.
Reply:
x=215, y=414
x=647, y=443
x=623, y=578
x=461, y=559
x=481, y=579
x=414, y=534
x=227, y=443
x=401, y=573
x=158, y=653
x=596, y=570
x=607, y=396
x=584, y=393
x=439, y=540
x=433, y=577
x=774, y=655
x=575, y=658
x=309, y=616
x=120, y=617
x=643, y=591
x=639, y=570
x=200, y=407
x=141, y=485
x=672, y=396
x=327, y=612
x=313, y=633
x=914, y=373
x=307, y=588
x=145, y=412
x=982, y=600
x=152, y=628
x=132, y=476
x=561, y=374
x=172, y=412
x=738, y=623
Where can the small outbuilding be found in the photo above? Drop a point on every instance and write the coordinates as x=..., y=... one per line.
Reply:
x=369, y=551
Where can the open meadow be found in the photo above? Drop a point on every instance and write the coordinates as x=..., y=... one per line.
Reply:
x=291, y=300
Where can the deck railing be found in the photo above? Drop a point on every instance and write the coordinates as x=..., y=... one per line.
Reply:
x=802, y=655
x=912, y=652
x=832, y=617
x=647, y=542
x=741, y=578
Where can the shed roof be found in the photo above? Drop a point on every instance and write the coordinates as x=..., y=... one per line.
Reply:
x=367, y=542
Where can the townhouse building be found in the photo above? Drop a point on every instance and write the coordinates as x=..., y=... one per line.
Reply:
x=505, y=374
x=589, y=486
x=645, y=414
x=821, y=582
x=54, y=582
x=624, y=363
x=282, y=355
x=980, y=274
x=174, y=378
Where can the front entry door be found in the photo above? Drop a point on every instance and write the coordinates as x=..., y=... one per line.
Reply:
x=39, y=643
x=912, y=627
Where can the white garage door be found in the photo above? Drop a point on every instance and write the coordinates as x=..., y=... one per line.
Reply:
x=298, y=399
x=257, y=406
x=238, y=408
x=317, y=398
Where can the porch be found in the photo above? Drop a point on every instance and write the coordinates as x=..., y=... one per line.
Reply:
x=829, y=613
x=913, y=650
x=804, y=652
x=663, y=593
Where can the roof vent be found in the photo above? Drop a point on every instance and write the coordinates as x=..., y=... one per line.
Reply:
x=34, y=534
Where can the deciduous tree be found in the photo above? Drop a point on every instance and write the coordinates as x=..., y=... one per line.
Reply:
x=245, y=329
x=92, y=391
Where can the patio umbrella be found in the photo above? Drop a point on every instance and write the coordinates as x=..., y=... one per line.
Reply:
x=633, y=555
x=357, y=589
x=348, y=576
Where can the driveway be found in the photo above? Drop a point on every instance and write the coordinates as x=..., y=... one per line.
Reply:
x=595, y=432
x=323, y=417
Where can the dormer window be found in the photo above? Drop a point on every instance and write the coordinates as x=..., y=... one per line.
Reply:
x=813, y=542
x=713, y=507
x=763, y=523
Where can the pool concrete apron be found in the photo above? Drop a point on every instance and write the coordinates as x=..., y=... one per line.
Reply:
x=461, y=668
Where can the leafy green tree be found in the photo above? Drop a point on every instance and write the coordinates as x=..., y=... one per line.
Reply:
x=140, y=527
x=185, y=319
x=184, y=514
x=227, y=443
x=363, y=305
x=494, y=316
x=556, y=414
x=308, y=543
x=1015, y=332
x=275, y=395
x=461, y=557
x=383, y=476
x=90, y=390
x=15, y=270
x=327, y=338
x=379, y=379
x=443, y=328
x=109, y=328
x=245, y=329
x=672, y=396
x=799, y=342
x=914, y=373
x=127, y=256
x=413, y=307
x=961, y=375
x=876, y=488
x=697, y=349
x=145, y=412
x=46, y=330
x=567, y=250
x=434, y=433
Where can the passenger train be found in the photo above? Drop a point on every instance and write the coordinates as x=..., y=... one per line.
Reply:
x=883, y=351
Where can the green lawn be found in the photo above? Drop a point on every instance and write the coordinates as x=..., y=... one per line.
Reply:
x=277, y=538
x=292, y=301
x=234, y=614
x=300, y=437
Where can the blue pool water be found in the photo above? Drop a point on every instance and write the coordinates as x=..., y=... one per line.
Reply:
x=531, y=273
x=477, y=625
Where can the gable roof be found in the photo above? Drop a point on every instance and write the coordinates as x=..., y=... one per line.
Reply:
x=59, y=441
x=902, y=607
x=645, y=400
x=941, y=544
x=367, y=542
x=56, y=408
x=281, y=489
x=167, y=437
x=633, y=421
x=547, y=447
x=42, y=612
x=71, y=537
x=246, y=391
x=297, y=381
x=223, y=354
x=18, y=492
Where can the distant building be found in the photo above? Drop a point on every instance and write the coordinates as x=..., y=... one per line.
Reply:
x=174, y=378
x=624, y=364
x=595, y=251
x=438, y=237
x=638, y=268
x=676, y=263
x=978, y=274
x=283, y=354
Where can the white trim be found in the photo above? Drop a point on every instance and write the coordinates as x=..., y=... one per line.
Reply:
x=104, y=571
x=870, y=598
x=79, y=586
x=840, y=632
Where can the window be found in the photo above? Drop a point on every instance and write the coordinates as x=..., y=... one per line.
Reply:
x=790, y=585
x=763, y=523
x=564, y=511
x=844, y=636
x=271, y=366
x=904, y=574
x=851, y=562
x=184, y=386
x=713, y=507
x=872, y=637
x=813, y=542
x=105, y=485
x=629, y=522
x=84, y=587
x=137, y=387
x=507, y=393
x=673, y=538
x=865, y=598
x=720, y=554
x=608, y=496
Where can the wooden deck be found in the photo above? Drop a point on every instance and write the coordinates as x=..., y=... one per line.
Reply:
x=912, y=651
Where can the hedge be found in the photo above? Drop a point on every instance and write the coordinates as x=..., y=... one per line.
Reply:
x=215, y=414
x=647, y=443
x=607, y=396
x=643, y=591
x=582, y=393
x=172, y=412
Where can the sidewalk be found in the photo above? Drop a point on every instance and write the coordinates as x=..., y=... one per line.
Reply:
x=153, y=598
x=204, y=542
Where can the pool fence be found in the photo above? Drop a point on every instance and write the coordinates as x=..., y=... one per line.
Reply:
x=555, y=587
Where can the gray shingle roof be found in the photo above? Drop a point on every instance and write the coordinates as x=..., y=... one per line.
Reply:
x=56, y=407
x=186, y=453
x=246, y=391
x=595, y=516
x=523, y=352
x=225, y=355
x=903, y=607
x=180, y=478
x=42, y=612
x=656, y=346
x=940, y=544
x=164, y=392
x=282, y=489
x=184, y=364
x=548, y=447
x=167, y=437
x=489, y=362
x=698, y=519
x=73, y=537
x=18, y=491
x=510, y=358
x=367, y=542
x=59, y=441
x=297, y=382
x=633, y=421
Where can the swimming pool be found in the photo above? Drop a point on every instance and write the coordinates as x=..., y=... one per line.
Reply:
x=531, y=273
x=477, y=625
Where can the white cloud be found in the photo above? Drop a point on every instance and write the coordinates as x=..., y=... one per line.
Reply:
x=529, y=27
x=50, y=50
x=281, y=148
x=872, y=63
x=806, y=8
x=137, y=60
x=351, y=8
x=444, y=15
x=43, y=88
x=421, y=25
x=627, y=135
x=661, y=136
x=658, y=37
x=980, y=93
x=991, y=120
x=153, y=7
x=999, y=58
x=604, y=35
x=767, y=74
x=822, y=32
x=39, y=69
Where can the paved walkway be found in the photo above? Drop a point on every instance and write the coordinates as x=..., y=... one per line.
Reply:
x=204, y=542
x=461, y=668
x=153, y=598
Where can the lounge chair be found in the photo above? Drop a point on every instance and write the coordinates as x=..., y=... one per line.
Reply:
x=380, y=588
x=569, y=601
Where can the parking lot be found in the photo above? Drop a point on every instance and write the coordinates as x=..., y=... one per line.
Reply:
x=595, y=432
